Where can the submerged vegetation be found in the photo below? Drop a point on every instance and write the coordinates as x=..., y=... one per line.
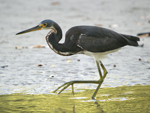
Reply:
x=109, y=100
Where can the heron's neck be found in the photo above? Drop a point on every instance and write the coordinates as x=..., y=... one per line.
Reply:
x=58, y=35
x=53, y=42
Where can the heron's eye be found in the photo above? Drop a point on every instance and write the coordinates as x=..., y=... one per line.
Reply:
x=45, y=24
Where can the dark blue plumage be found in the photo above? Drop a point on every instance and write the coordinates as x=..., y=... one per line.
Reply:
x=90, y=40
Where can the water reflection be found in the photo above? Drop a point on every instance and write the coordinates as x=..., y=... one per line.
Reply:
x=46, y=103
x=96, y=108
x=120, y=99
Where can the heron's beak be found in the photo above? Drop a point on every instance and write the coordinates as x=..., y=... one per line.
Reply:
x=38, y=27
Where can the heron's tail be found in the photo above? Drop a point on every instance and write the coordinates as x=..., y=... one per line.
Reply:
x=132, y=40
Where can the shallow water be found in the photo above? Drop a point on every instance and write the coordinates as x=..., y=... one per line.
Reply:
x=22, y=75
x=20, y=70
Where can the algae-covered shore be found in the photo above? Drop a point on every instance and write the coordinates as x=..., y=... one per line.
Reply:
x=125, y=99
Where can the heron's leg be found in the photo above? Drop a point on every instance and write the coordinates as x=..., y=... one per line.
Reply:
x=99, y=69
x=67, y=84
x=104, y=70
x=72, y=89
x=99, y=82
x=60, y=87
x=94, y=94
x=101, y=77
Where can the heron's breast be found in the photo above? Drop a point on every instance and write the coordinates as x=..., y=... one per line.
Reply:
x=99, y=55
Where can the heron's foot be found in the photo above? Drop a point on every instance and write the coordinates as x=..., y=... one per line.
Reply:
x=67, y=84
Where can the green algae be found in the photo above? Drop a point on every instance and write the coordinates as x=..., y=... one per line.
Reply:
x=125, y=99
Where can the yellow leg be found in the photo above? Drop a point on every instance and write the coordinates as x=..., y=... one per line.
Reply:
x=72, y=89
x=99, y=69
x=67, y=84
x=101, y=77
x=99, y=82
x=104, y=70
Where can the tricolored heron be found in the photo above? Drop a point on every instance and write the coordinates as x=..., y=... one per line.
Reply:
x=89, y=40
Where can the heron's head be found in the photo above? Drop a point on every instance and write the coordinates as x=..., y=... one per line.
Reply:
x=45, y=24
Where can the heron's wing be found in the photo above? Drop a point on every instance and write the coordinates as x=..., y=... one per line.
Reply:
x=101, y=44
x=132, y=40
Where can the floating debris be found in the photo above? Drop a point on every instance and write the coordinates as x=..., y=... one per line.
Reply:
x=113, y=25
x=138, y=23
x=38, y=46
x=114, y=65
x=55, y=3
x=99, y=25
x=21, y=47
x=148, y=61
x=69, y=61
x=53, y=66
x=139, y=59
x=4, y=66
x=146, y=34
x=40, y=65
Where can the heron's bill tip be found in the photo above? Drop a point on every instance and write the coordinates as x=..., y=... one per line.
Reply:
x=19, y=33
x=30, y=30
